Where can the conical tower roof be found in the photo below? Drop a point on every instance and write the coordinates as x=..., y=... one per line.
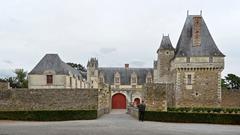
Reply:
x=165, y=44
x=203, y=45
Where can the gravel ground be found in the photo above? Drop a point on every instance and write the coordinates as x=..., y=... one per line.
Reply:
x=115, y=123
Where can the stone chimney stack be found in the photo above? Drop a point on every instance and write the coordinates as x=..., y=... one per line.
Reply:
x=126, y=66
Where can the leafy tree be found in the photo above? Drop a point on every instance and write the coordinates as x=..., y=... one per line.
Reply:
x=231, y=81
x=20, y=81
x=77, y=66
x=224, y=84
x=21, y=78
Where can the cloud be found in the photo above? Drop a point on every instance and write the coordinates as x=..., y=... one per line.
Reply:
x=107, y=50
x=7, y=61
x=5, y=73
x=137, y=63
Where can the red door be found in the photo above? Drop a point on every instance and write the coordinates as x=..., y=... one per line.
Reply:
x=136, y=101
x=119, y=101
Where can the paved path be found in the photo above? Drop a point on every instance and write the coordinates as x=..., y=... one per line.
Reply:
x=116, y=123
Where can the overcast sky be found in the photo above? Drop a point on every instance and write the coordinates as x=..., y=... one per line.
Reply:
x=114, y=31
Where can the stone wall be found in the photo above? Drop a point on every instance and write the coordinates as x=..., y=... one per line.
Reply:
x=155, y=96
x=4, y=85
x=104, y=99
x=204, y=91
x=230, y=98
x=45, y=99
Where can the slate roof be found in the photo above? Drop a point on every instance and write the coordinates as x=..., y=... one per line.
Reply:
x=125, y=74
x=185, y=43
x=165, y=43
x=54, y=62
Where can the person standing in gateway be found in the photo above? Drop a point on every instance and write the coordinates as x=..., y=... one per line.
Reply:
x=141, y=110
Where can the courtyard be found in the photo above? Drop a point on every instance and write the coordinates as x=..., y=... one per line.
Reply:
x=115, y=123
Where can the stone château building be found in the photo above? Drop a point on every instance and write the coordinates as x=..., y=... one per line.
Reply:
x=194, y=68
x=52, y=73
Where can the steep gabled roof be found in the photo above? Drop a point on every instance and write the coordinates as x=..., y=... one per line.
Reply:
x=165, y=43
x=54, y=62
x=185, y=46
x=125, y=74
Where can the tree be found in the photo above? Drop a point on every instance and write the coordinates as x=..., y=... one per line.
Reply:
x=79, y=67
x=224, y=84
x=231, y=81
x=20, y=81
x=21, y=78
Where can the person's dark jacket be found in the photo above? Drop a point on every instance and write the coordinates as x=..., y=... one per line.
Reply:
x=141, y=107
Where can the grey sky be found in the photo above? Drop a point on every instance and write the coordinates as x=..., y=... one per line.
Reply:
x=114, y=31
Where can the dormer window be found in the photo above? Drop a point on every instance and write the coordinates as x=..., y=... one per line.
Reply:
x=134, y=78
x=117, y=78
x=49, y=79
x=101, y=78
x=149, y=78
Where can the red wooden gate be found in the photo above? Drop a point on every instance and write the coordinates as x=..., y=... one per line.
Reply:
x=136, y=101
x=118, y=101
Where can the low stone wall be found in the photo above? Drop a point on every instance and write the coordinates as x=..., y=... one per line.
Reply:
x=45, y=99
x=230, y=98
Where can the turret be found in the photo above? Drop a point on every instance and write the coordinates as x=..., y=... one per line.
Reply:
x=92, y=73
x=165, y=55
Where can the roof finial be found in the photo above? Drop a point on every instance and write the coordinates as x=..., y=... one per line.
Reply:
x=201, y=12
x=163, y=34
x=187, y=12
x=168, y=34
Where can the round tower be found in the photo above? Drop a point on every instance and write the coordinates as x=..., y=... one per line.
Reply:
x=165, y=55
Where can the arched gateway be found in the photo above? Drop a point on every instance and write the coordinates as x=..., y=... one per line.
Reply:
x=118, y=101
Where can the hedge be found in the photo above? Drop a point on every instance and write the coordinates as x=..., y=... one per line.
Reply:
x=182, y=117
x=61, y=115
x=206, y=110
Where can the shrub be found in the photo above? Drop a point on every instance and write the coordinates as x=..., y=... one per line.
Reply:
x=204, y=110
x=193, y=117
x=49, y=115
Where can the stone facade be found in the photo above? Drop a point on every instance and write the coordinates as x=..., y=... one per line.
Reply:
x=155, y=96
x=4, y=85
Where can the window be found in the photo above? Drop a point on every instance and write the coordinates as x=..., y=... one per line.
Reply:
x=70, y=81
x=117, y=80
x=210, y=59
x=149, y=80
x=189, y=79
x=134, y=80
x=188, y=59
x=49, y=79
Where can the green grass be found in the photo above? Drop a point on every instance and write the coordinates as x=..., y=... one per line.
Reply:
x=183, y=117
x=61, y=115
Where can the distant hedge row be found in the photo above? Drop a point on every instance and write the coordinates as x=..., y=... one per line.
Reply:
x=215, y=118
x=61, y=115
x=205, y=110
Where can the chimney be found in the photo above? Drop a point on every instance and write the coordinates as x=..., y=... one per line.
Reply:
x=126, y=66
